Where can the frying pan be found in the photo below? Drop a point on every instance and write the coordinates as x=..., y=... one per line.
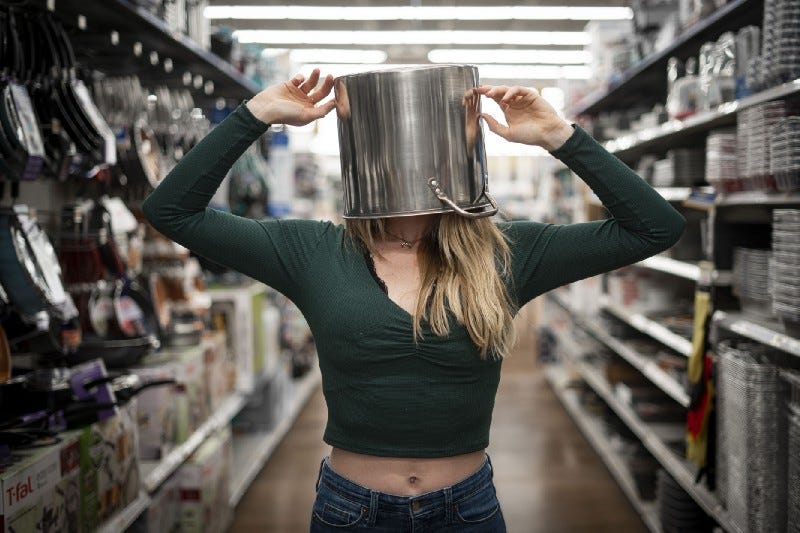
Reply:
x=29, y=268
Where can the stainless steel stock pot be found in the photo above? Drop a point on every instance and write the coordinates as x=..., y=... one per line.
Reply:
x=411, y=143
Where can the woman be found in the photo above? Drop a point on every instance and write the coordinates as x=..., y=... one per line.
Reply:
x=411, y=315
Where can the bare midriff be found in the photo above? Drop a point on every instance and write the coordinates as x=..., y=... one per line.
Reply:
x=404, y=476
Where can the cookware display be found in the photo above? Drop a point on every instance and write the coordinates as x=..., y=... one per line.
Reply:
x=117, y=314
x=155, y=128
x=50, y=400
x=31, y=276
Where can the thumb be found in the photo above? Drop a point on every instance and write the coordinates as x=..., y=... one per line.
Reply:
x=495, y=126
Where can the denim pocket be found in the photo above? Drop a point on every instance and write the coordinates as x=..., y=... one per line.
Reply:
x=335, y=511
x=478, y=507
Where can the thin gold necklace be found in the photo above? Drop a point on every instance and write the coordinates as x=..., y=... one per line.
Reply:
x=403, y=242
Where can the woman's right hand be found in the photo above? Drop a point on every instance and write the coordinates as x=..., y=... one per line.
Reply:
x=295, y=102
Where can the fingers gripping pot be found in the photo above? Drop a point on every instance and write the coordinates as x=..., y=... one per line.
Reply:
x=410, y=143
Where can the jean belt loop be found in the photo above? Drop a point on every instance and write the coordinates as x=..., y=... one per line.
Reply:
x=489, y=462
x=319, y=475
x=373, y=507
x=448, y=505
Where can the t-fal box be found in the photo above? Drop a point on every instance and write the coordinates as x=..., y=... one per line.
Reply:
x=205, y=486
x=40, y=491
x=109, y=477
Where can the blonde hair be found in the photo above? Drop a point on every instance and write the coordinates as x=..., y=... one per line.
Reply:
x=462, y=264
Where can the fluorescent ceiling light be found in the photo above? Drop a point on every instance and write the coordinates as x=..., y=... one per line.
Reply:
x=486, y=72
x=283, y=12
x=333, y=55
x=373, y=38
x=531, y=57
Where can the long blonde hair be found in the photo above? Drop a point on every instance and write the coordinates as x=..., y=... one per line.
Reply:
x=462, y=265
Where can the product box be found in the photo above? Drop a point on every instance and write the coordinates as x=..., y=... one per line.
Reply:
x=205, y=481
x=188, y=399
x=272, y=339
x=240, y=312
x=156, y=412
x=109, y=466
x=217, y=369
x=40, y=491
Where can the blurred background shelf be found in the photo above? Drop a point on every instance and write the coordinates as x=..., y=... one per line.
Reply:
x=647, y=80
x=593, y=432
x=252, y=451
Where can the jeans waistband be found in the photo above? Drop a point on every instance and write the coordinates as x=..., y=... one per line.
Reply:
x=365, y=496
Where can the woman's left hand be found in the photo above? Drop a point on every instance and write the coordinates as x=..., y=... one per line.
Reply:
x=530, y=118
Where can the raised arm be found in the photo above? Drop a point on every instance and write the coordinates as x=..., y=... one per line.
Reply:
x=274, y=252
x=547, y=256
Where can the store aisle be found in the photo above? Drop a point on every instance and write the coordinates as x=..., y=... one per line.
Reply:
x=548, y=478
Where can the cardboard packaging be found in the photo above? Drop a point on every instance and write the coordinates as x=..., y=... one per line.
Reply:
x=40, y=492
x=169, y=415
x=163, y=513
x=205, y=481
x=217, y=369
x=109, y=466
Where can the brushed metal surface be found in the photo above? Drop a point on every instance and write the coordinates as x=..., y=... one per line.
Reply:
x=398, y=129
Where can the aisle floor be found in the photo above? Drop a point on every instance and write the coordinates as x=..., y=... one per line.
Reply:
x=548, y=477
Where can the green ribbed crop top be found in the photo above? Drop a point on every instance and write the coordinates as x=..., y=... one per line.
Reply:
x=386, y=394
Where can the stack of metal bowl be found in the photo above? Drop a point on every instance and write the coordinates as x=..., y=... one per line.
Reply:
x=785, y=268
x=753, y=437
x=751, y=281
x=721, y=161
x=677, y=511
x=793, y=481
x=784, y=149
x=753, y=141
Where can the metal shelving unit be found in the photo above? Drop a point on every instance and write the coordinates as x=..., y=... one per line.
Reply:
x=673, y=464
x=649, y=327
x=155, y=473
x=251, y=451
x=133, y=24
x=593, y=431
x=648, y=77
x=646, y=366
x=661, y=138
x=744, y=326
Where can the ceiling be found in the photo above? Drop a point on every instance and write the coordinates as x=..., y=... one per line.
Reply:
x=402, y=52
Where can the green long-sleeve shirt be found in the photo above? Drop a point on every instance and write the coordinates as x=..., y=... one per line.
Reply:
x=388, y=395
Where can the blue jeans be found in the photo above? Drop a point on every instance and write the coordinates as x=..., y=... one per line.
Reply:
x=469, y=506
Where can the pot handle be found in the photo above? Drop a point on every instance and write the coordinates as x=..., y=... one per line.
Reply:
x=442, y=196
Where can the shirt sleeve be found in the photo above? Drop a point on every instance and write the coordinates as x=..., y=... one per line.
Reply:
x=275, y=252
x=642, y=224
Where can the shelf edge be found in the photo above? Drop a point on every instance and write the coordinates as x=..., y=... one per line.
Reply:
x=741, y=326
x=163, y=469
x=127, y=516
x=649, y=327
